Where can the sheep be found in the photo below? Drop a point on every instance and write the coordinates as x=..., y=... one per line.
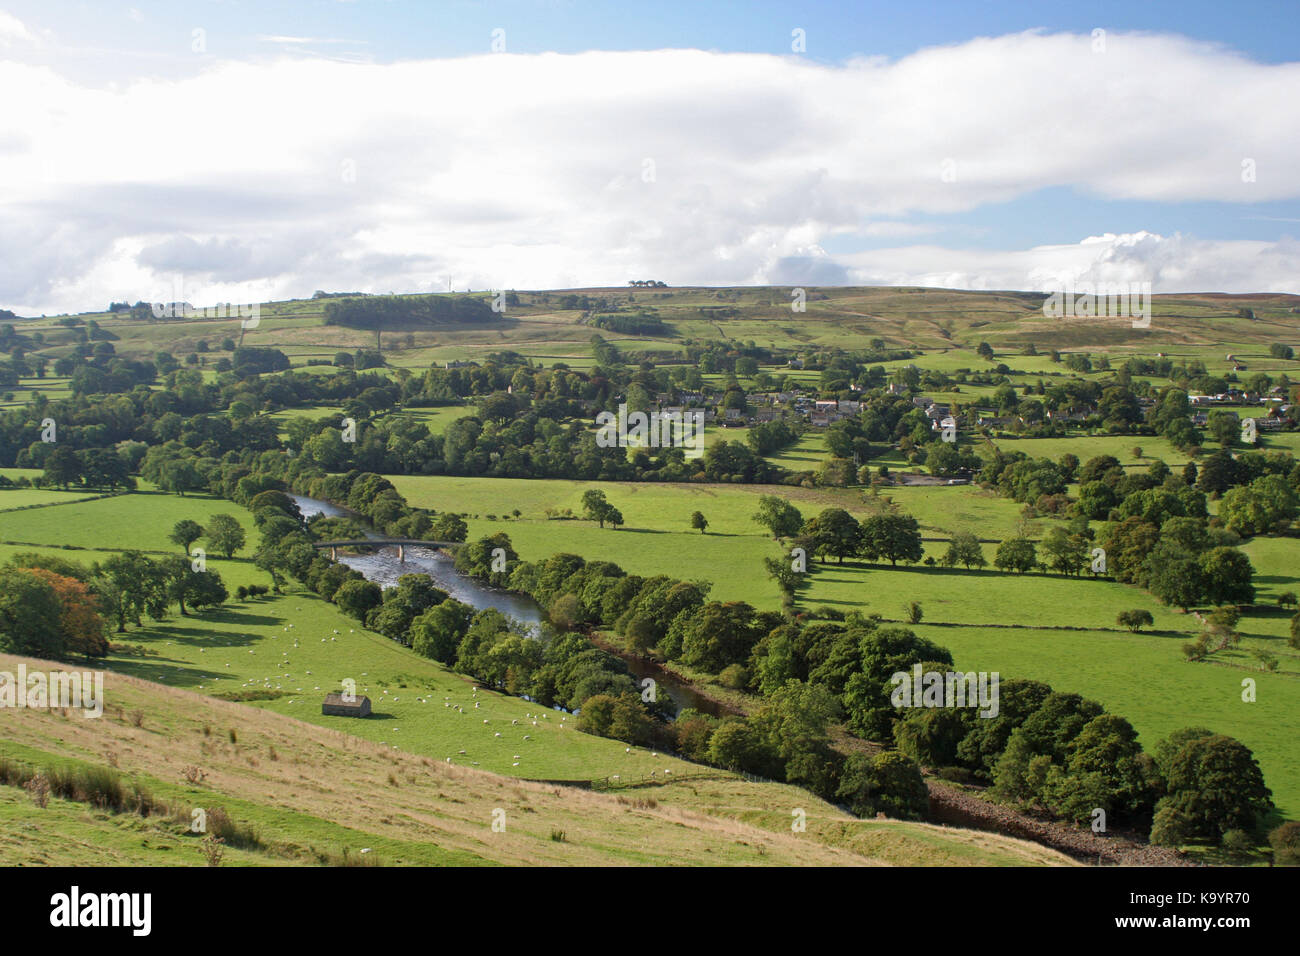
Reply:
x=485, y=721
x=497, y=734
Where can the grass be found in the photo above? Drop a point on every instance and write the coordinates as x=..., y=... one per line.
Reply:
x=312, y=794
x=1142, y=677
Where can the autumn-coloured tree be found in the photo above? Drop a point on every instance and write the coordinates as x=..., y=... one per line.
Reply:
x=79, y=618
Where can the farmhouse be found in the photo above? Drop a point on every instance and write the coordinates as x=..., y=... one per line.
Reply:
x=336, y=705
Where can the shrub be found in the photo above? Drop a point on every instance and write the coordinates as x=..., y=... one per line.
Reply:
x=1285, y=841
x=1170, y=827
x=734, y=676
x=1238, y=842
x=39, y=787
x=1135, y=620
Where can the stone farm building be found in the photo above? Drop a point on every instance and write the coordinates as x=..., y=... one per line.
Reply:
x=337, y=706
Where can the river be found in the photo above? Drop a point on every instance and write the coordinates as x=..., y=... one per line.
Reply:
x=382, y=566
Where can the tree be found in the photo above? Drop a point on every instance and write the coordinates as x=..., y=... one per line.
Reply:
x=225, y=534
x=1227, y=574
x=888, y=783
x=1285, y=841
x=1266, y=504
x=1135, y=620
x=185, y=532
x=881, y=654
x=965, y=549
x=30, y=615
x=699, y=521
x=1214, y=784
x=130, y=584
x=449, y=527
x=595, y=507
x=1174, y=575
x=719, y=634
x=439, y=630
x=1064, y=552
x=357, y=597
x=834, y=532
x=63, y=467
x=780, y=517
x=1015, y=554
x=895, y=537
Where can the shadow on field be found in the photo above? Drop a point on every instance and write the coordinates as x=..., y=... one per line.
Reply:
x=158, y=671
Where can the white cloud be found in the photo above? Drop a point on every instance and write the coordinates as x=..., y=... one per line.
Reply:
x=1170, y=263
x=282, y=176
x=14, y=31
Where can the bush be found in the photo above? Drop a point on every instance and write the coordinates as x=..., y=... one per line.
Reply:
x=1238, y=842
x=1135, y=620
x=1170, y=827
x=887, y=783
x=734, y=676
x=1285, y=841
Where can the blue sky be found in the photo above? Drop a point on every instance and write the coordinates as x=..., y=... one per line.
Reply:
x=975, y=143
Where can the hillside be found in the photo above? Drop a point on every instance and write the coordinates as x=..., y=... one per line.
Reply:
x=317, y=795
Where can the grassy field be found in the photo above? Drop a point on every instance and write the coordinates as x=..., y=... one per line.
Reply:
x=293, y=648
x=1098, y=659
x=310, y=793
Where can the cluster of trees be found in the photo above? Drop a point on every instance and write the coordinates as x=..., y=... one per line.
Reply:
x=54, y=608
x=628, y=323
x=1051, y=749
x=888, y=536
x=48, y=610
x=786, y=739
x=406, y=311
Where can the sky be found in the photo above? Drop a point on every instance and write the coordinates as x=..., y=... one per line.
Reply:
x=225, y=151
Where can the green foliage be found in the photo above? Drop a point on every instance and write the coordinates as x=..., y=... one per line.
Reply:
x=888, y=783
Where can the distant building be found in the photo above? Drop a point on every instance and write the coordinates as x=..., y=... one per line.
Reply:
x=336, y=705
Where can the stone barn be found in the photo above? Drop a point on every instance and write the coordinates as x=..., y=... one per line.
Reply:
x=337, y=706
